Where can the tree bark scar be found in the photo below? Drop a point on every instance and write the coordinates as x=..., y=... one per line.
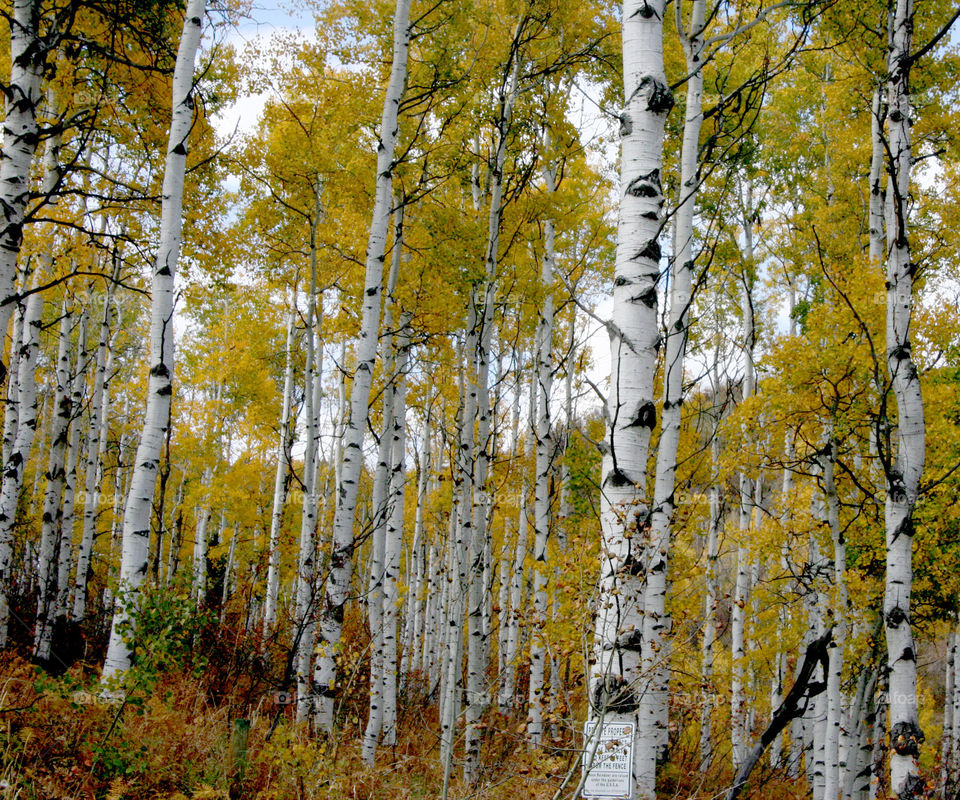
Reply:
x=613, y=694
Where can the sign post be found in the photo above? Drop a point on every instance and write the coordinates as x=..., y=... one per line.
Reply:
x=608, y=762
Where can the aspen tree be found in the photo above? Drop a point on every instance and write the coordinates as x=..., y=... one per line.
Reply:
x=136, y=514
x=337, y=589
x=78, y=385
x=543, y=430
x=26, y=427
x=903, y=466
x=93, y=462
x=615, y=679
x=394, y=539
x=381, y=509
x=282, y=479
x=20, y=138
x=655, y=662
x=305, y=624
x=48, y=562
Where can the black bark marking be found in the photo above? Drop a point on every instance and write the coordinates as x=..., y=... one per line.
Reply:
x=648, y=298
x=617, y=479
x=613, y=694
x=651, y=250
x=632, y=640
x=659, y=97
x=913, y=787
x=895, y=616
x=905, y=738
x=646, y=417
x=645, y=185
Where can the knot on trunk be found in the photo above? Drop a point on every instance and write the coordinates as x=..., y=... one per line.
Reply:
x=646, y=417
x=659, y=96
x=613, y=694
x=630, y=640
x=895, y=616
x=645, y=185
x=905, y=739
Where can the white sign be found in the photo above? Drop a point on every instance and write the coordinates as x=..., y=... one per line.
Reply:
x=608, y=773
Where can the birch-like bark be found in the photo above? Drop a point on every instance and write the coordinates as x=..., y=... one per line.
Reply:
x=477, y=647
x=20, y=452
x=381, y=512
x=52, y=508
x=955, y=728
x=416, y=609
x=508, y=685
x=305, y=626
x=137, y=511
x=11, y=409
x=543, y=429
x=281, y=481
x=655, y=666
x=394, y=541
x=615, y=679
x=738, y=702
x=337, y=589
x=904, y=467
x=92, y=470
x=20, y=139
x=67, y=509
x=834, y=695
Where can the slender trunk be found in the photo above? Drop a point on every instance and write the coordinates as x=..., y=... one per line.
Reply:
x=654, y=703
x=136, y=516
x=394, y=542
x=282, y=480
x=20, y=452
x=381, y=498
x=543, y=429
x=92, y=468
x=341, y=558
x=834, y=694
x=52, y=508
x=710, y=604
x=305, y=628
x=946, y=743
x=904, y=467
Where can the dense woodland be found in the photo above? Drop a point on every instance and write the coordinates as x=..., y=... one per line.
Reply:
x=524, y=368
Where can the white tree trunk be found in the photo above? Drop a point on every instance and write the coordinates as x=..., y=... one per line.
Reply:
x=305, y=625
x=418, y=571
x=654, y=703
x=23, y=442
x=543, y=429
x=615, y=675
x=281, y=480
x=394, y=542
x=904, y=467
x=946, y=742
x=832, y=745
x=139, y=505
x=337, y=589
x=20, y=139
x=92, y=470
x=52, y=508
x=381, y=497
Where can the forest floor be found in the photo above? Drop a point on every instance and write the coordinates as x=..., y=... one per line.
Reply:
x=202, y=718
